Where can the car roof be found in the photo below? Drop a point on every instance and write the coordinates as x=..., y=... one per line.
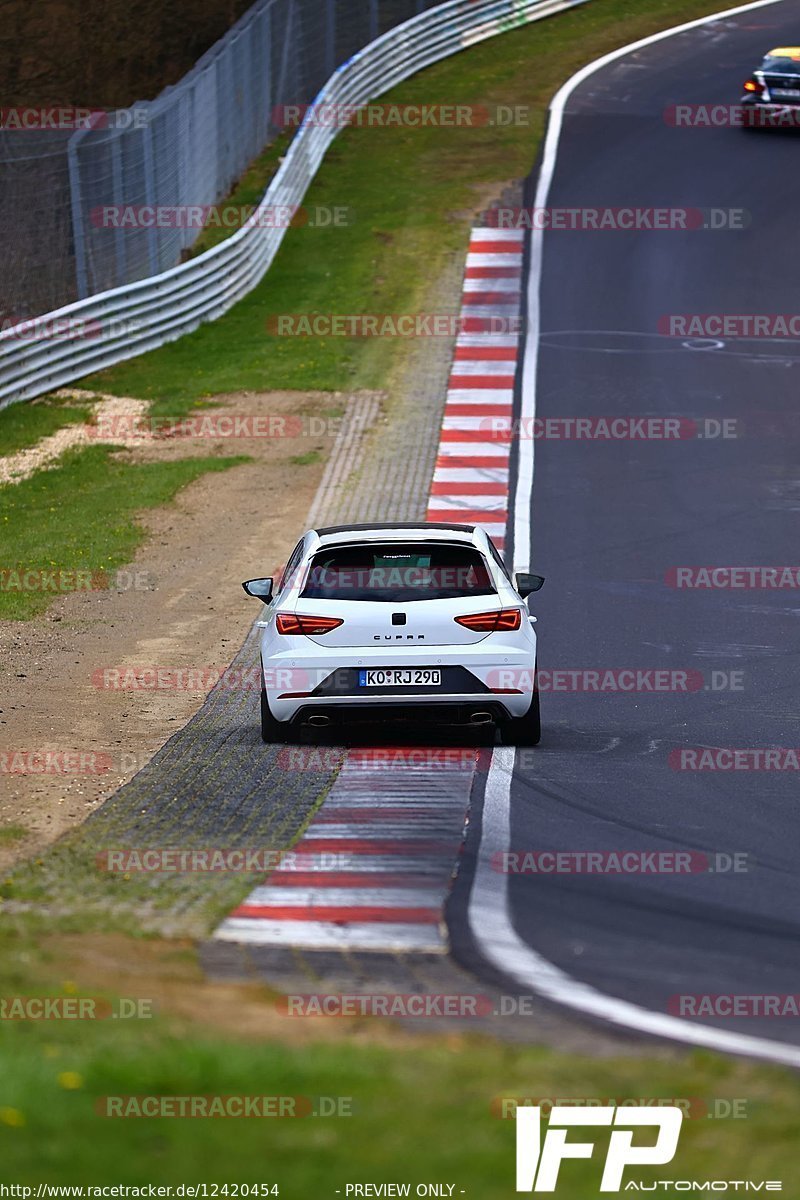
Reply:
x=405, y=531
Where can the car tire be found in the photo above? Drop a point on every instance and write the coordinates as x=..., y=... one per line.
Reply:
x=527, y=730
x=272, y=731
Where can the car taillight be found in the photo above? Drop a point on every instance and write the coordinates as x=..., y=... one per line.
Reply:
x=295, y=623
x=490, y=622
x=752, y=85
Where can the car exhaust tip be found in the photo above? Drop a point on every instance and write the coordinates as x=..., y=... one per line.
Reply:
x=481, y=718
x=319, y=720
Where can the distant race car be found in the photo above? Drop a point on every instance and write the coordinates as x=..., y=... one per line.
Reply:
x=388, y=622
x=772, y=93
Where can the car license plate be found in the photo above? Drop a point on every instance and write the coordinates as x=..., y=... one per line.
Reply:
x=401, y=677
x=785, y=93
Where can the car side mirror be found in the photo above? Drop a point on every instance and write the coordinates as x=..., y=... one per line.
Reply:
x=260, y=589
x=528, y=583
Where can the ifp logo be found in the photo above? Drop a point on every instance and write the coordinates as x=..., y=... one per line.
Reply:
x=538, y=1162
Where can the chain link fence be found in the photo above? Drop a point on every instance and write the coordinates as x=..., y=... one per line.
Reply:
x=77, y=203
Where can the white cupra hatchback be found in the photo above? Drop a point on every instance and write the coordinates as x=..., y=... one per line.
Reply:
x=385, y=623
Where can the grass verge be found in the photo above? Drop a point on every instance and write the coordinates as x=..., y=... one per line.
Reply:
x=24, y=424
x=411, y=195
x=81, y=516
x=403, y=1107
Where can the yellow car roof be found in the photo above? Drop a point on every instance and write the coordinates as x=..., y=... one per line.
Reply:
x=785, y=52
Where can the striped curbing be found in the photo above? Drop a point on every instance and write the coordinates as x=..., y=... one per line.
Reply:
x=374, y=866
x=471, y=480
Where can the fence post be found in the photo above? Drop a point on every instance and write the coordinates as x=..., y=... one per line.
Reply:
x=269, y=100
x=280, y=93
x=118, y=200
x=330, y=37
x=374, y=23
x=76, y=214
x=150, y=194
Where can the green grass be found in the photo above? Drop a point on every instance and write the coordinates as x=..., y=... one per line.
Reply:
x=12, y=833
x=248, y=192
x=422, y=1111
x=305, y=460
x=411, y=193
x=82, y=516
x=24, y=424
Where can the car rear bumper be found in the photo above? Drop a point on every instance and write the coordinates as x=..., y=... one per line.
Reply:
x=770, y=113
x=443, y=710
x=499, y=679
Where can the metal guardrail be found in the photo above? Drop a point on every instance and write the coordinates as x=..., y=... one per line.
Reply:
x=70, y=342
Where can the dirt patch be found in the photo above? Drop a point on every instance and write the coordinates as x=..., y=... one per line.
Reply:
x=184, y=608
x=169, y=977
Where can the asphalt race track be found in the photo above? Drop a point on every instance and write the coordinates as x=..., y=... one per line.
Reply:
x=611, y=519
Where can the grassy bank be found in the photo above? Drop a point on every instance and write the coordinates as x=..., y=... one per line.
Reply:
x=23, y=425
x=81, y=516
x=404, y=1107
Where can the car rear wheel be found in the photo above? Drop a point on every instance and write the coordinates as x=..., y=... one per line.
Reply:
x=271, y=730
x=527, y=730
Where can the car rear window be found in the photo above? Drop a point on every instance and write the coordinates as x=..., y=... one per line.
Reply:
x=782, y=66
x=397, y=573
